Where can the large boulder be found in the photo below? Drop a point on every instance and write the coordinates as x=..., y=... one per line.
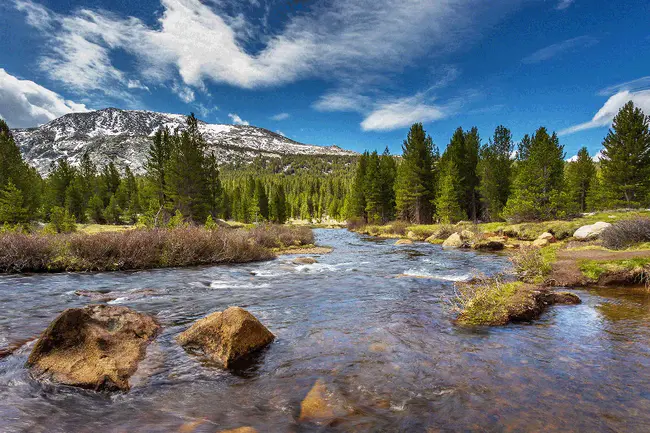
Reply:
x=96, y=347
x=490, y=244
x=227, y=336
x=455, y=241
x=304, y=261
x=590, y=231
x=548, y=236
x=541, y=243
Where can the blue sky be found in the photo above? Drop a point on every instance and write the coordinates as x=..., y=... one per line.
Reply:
x=355, y=73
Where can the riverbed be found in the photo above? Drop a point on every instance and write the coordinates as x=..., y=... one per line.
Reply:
x=372, y=320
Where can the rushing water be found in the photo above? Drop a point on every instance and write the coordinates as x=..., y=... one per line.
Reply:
x=360, y=320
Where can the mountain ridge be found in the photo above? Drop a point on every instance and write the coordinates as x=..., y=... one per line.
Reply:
x=123, y=136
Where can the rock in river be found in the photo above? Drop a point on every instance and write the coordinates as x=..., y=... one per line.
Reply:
x=227, y=336
x=96, y=347
x=322, y=405
x=456, y=240
x=304, y=261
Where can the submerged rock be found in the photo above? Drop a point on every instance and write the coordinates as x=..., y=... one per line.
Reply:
x=404, y=242
x=304, y=261
x=227, y=336
x=240, y=430
x=96, y=347
x=590, y=231
x=322, y=405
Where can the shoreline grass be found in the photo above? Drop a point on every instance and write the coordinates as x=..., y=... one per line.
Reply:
x=145, y=248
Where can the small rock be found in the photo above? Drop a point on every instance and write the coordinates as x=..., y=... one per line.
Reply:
x=541, y=243
x=96, y=347
x=548, y=236
x=404, y=242
x=227, y=336
x=566, y=298
x=591, y=231
x=97, y=296
x=304, y=261
x=489, y=245
x=321, y=405
x=454, y=241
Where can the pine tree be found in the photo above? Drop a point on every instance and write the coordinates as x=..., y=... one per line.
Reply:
x=262, y=200
x=448, y=209
x=373, y=189
x=279, y=206
x=414, y=187
x=538, y=184
x=12, y=210
x=626, y=157
x=579, y=177
x=356, y=206
x=388, y=173
x=495, y=170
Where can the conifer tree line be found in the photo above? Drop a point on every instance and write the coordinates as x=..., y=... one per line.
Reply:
x=500, y=180
x=472, y=179
x=182, y=183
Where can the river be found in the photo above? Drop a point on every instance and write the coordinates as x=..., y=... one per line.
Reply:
x=386, y=344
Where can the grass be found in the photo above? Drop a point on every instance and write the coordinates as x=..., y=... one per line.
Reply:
x=102, y=228
x=144, y=248
x=487, y=302
x=594, y=269
x=533, y=265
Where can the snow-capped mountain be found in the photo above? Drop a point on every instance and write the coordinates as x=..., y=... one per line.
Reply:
x=596, y=158
x=123, y=136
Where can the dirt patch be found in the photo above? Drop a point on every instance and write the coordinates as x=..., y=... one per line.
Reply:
x=566, y=269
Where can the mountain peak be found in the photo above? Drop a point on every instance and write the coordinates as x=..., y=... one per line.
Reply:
x=123, y=136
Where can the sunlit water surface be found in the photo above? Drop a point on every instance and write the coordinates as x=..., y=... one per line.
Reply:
x=387, y=344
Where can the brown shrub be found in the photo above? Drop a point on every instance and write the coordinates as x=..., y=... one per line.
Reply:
x=398, y=228
x=279, y=236
x=20, y=252
x=624, y=233
x=355, y=224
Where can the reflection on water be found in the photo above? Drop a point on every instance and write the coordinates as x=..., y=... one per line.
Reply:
x=385, y=344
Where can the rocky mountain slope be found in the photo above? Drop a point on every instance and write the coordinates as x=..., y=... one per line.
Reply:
x=123, y=136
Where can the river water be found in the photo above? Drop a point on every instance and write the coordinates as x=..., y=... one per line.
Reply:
x=361, y=321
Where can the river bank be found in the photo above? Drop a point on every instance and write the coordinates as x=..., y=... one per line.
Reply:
x=135, y=249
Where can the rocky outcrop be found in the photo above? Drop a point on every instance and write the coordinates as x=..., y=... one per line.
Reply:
x=592, y=231
x=227, y=336
x=304, y=261
x=96, y=347
x=322, y=405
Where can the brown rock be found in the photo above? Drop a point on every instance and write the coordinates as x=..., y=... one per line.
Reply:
x=321, y=405
x=404, y=242
x=304, y=261
x=489, y=245
x=565, y=298
x=227, y=336
x=540, y=243
x=96, y=347
x=455, y=241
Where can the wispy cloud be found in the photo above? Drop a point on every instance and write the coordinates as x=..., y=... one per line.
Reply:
x=403, y=112
x=237, y=120
x=560, y=48
x=281, y=116
x=195, y=42
x=635, y=91
x=27, y=104
x=564, y=4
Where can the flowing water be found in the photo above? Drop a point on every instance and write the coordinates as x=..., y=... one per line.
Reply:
x=365, y=322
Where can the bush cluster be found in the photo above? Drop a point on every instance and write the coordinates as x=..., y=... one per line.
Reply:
x=626, y=232
x=143, y=248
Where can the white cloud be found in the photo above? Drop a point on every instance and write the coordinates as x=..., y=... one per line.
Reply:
x=194, y=41
x=564, y=4
x=555, y=50
x=26, y=104
x=642, y=83
x=281, y=116
x=402, y=113
x=606, y=114
x=237, y=120
x=205, y=111
x=184, y=92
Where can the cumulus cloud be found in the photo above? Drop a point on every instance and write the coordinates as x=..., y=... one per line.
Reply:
x=237, y=120
x=196, y=42
x=606, y=114
x=402, y=113
x=555, y=50
x=26, y=104
x=281, y=116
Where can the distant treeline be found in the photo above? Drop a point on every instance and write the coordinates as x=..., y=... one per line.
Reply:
x=182, y=183
x=472, y=180
x=499, y=180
